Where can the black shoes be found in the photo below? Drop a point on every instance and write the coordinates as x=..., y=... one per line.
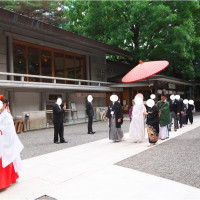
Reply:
x=64, y=141
x=61, y=142
x=91, y=132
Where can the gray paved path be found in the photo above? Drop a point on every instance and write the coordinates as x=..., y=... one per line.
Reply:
x=90, y=169
x=177, y=159
x=40, y=142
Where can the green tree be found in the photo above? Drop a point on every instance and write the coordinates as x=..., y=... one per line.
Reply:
x=150, y=30
x=51, y=12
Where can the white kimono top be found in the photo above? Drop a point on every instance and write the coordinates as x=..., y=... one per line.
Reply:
x=137, y=125
x=10, y=145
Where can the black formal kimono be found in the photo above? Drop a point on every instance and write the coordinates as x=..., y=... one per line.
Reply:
x=153, y=124
x=114, y=113
x=58, y=123
x=189, y=113
x=173, y=106
x=180, y=111
x=90, y=114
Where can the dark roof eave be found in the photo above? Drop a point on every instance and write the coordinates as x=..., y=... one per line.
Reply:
x=14, y=18
x=160, y=78
x=171, y=79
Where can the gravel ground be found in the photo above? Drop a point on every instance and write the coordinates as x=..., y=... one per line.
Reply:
x=41, y=141
x=177, y=159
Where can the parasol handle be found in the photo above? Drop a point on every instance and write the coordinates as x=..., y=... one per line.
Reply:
x=149, y=85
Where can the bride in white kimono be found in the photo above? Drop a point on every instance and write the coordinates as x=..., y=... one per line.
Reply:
x=137, y=125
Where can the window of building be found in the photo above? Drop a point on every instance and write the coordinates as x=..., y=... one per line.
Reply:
x=33, y=63
x=59, y=66
x=38, y=60
x=46, y=65
x=19, y=59
x=79, y=67
x=69, y=66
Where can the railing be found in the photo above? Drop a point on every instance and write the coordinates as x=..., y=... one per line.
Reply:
x=54, y=79
x=69, y=117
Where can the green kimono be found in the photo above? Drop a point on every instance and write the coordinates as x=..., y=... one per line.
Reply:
x=163, y=106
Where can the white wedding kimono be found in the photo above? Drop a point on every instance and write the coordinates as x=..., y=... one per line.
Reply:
x=10, y=145
x=137, y=125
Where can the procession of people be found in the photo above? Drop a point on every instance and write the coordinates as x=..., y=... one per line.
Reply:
x=151, y=119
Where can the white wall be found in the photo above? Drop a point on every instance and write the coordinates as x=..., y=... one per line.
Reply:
x=26, y=101
x=81, y=103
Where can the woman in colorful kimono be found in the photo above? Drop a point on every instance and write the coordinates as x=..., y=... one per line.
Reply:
x=115, y=118
x=152, y=122
x=10, y=147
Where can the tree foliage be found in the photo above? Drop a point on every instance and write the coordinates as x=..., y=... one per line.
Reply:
x=51, y=12
x=151, y=30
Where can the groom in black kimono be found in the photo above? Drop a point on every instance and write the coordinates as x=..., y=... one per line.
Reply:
x=115, y=118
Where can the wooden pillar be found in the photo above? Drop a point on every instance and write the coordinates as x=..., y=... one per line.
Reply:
x=10, y=55
x=26, y=61
x=64, y=67
x=42, y=101
x=40, y=63
x=52, y=64
x=130, y=97
x=74, y=66
x=155, y=83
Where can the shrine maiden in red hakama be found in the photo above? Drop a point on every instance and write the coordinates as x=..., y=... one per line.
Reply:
x=10, y=147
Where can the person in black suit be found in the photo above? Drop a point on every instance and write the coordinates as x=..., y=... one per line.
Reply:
x=58, y=121
x=90, y=113
x=173, y=105
x=180, y=110
x=189, y=111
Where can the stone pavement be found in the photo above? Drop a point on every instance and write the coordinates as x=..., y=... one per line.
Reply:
x=88, y=172
x=39, y=142
x=177, y=159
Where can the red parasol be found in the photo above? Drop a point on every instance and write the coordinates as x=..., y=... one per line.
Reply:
x=144, y=70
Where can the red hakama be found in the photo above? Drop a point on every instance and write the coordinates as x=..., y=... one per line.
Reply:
x=8, y=175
